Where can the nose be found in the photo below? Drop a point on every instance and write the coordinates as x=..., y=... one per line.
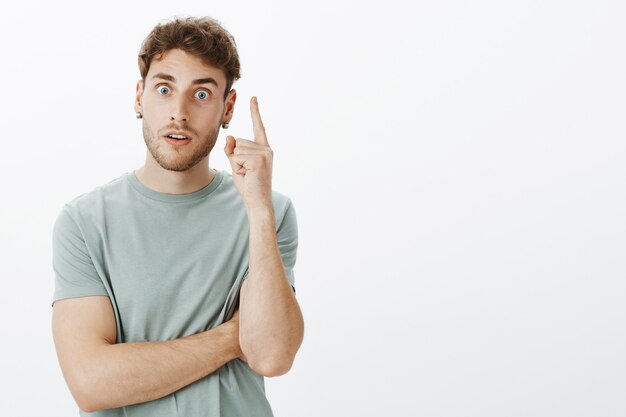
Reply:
x=179, y=110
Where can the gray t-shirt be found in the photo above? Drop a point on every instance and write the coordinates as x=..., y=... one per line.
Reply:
x=172, y=265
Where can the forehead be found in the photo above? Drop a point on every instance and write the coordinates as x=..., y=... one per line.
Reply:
x=185, y=68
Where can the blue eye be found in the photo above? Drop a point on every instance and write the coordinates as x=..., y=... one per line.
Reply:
x=202, y=94
x=160, y=89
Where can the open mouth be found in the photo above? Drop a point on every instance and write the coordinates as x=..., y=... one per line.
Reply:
x=177, y=137
x=177, y=140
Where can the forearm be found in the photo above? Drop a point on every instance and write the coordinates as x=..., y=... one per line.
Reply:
x=271, y=324
x=130, y=373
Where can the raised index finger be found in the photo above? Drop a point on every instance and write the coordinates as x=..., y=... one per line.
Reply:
x=257, y=123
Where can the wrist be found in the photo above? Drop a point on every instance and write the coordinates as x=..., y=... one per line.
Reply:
x=261, y=213
x=259, y=204
x=230, y=332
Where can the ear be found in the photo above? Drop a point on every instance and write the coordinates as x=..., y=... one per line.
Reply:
x=229, y=107
x=138, y=96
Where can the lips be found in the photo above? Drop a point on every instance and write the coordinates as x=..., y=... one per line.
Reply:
x=177, y=142
x=176, y=134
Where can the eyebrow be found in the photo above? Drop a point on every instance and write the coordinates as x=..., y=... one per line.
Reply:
x=168, y=77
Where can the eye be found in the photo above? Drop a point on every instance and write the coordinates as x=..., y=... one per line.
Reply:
x=202, y=94
x=161, y=88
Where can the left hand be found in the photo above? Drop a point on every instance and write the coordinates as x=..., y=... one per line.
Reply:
x=251, y=162
x=235, y=317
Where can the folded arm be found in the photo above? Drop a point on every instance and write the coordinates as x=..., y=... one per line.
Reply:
x=102, y=374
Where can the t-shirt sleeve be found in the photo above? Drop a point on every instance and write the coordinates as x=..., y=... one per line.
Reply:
x=287, y=237
x=74, y=272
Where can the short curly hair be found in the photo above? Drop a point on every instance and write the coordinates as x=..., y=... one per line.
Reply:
x=203, y=37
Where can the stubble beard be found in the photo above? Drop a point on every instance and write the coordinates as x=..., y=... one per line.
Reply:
x=183, y=159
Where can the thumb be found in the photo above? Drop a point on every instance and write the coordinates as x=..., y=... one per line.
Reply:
x=230, y=145
x=229, y=150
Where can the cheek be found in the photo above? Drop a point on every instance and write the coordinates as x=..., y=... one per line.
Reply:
x=153, y=106
x=156, y=115
x=209, y=117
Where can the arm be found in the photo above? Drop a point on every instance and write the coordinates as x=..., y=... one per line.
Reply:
x=101, y=374
x=271, y=324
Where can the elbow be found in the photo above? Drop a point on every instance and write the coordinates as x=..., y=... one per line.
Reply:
x=90, y=402
x=86, y=395
x=274, y=360
x=272, y=367
x=86, y=407
x=83, y=400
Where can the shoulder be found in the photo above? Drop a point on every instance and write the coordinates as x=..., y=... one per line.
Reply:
x=92, y=201
x=281, y=202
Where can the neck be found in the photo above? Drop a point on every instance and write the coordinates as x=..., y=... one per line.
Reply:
x=155, y=177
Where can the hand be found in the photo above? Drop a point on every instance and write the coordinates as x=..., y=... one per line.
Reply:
x=251, y=162
x=235, y=319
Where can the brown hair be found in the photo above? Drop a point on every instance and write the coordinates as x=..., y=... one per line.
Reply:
x=203, y=37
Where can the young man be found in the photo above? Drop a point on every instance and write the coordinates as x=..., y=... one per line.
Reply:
x=174, y=285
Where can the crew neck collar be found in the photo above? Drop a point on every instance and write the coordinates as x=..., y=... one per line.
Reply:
x=175, y=198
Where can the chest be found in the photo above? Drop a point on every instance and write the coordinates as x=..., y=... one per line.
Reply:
x=172, y=273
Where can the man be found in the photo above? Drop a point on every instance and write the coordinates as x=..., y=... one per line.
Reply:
x=174, y=286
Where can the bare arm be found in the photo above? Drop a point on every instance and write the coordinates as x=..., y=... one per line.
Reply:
x=271, y=323
x=102, y=374
x=272, y=327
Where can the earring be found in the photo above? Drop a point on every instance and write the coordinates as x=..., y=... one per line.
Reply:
x=225, y=125
x=139, y=115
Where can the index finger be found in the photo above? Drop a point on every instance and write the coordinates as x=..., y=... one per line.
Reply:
x=257, y=123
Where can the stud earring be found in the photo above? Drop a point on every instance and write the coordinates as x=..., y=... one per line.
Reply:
x=139, y=115
x=225, y=125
